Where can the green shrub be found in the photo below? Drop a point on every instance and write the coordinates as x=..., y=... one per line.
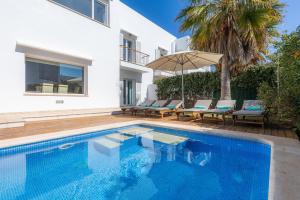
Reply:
x=268, y=94
x=207, y=85
x=254, y=76
x=196, y=85
x=286, y=101
x=244, y=85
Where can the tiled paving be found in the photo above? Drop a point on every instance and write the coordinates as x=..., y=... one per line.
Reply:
x=35, y=128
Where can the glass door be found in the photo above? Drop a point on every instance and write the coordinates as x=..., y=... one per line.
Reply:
x=127, y=52
x=128, y=92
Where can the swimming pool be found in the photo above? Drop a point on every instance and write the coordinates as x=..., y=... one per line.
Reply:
x=137, y=162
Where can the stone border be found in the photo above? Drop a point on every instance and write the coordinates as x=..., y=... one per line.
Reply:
x=14, y=119
x=284, y=180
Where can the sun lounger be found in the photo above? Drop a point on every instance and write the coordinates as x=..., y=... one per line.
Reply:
x=251, y=109
x=172, y=107
x=199, y=107
x=143, y=105
x=223, y=108
x=156, y=104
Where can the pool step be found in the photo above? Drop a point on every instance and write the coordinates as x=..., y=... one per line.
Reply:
x=118, y=137
x=164, y=138
x=135, y=131
x=106, y=146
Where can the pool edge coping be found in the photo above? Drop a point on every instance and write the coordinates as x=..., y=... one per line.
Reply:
x=278, y=145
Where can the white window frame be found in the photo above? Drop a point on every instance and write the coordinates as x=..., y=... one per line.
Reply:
x=164, y=50
x=159, y=50
x=85, y=78
x=106, y=2
x=107, y=11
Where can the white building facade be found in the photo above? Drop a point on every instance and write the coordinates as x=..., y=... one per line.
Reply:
x=76, y=54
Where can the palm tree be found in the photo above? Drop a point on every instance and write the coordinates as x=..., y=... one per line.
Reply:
x=239, y=29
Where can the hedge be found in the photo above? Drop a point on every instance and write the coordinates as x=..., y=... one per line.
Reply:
x=207, y=85
x=285, y=102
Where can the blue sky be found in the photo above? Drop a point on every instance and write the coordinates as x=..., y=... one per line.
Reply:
x=164, y=12
x=291, y=15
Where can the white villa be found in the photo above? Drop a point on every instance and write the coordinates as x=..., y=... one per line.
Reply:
x=65, y=58
x=64, y=55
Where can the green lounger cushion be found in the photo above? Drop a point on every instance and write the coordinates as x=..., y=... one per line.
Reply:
x=254, y=108
x=144, y=104
x=224, y=108
x=171, y=106
x=155, y=105
x=201, y=107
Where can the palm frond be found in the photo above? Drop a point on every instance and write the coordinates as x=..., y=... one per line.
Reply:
x=239, y=29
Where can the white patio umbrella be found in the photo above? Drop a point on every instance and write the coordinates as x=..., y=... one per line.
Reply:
x=185, y=60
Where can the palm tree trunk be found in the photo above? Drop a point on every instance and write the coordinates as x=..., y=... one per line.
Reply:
x=225, y=81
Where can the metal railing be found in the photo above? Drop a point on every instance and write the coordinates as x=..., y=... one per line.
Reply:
x=133, y=56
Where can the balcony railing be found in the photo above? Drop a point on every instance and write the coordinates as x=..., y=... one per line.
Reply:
x=133, y=56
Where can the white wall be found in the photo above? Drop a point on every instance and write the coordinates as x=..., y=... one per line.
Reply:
x=182, y=44
x=150, y=35
x=45, y=24
x=48, y=25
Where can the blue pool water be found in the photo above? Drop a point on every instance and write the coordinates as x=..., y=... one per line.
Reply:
x=95, y=166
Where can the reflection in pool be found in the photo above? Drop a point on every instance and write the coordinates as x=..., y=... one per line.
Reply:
x=137, y=162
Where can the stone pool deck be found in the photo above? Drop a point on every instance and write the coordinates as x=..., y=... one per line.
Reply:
x=41, y=127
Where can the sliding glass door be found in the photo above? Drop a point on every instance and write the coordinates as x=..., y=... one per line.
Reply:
x=128, y=92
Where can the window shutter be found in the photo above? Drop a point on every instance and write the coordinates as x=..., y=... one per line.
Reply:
x=138, y=89
x=121, y=47
x=157, y=53
x=121, y=92
x=139, y=55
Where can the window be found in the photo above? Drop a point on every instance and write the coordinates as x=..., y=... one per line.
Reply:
x=101, y=12
x=127, y=50
x=50, y=77
x=160, y=52
x=82, y=6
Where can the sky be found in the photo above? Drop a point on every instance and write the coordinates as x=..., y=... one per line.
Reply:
x=164, y=12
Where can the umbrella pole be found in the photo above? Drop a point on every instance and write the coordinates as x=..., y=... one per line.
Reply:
x=182, y=86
